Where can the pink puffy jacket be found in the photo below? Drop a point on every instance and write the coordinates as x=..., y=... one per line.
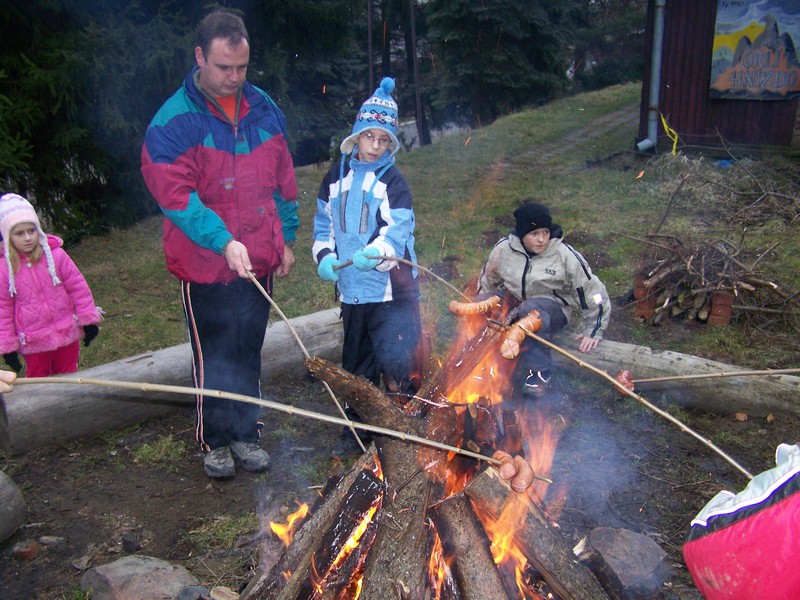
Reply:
x=41, y=316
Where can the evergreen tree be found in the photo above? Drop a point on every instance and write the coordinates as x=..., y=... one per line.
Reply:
x=495, y=56
x=608, y=46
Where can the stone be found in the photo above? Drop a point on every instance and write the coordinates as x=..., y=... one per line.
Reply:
x=136, y=578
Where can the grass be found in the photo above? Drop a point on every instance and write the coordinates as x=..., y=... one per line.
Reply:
x=465, y=187
x=165, y=451
x=222, y=531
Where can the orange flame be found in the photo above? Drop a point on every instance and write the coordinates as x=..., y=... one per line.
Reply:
x=491, y=381
x=286, y=531
x=320, y=580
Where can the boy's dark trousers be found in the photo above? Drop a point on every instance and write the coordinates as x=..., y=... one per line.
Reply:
x=382, y=338
x=533, y=355
x=227, y=324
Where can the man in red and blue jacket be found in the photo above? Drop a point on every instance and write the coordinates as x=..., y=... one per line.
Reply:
x=215, y=158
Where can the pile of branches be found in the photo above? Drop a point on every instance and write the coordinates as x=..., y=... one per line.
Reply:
x=680, y=279
x=741, y=191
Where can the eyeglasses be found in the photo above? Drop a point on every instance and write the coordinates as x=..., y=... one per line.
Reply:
x=371, y=138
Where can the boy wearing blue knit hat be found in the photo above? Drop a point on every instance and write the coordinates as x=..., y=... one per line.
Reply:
x=365, y=215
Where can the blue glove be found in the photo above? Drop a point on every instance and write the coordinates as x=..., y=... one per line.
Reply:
x=325, y=268
x=363, y=260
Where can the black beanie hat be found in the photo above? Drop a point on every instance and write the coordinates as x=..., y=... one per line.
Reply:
x=530, y=216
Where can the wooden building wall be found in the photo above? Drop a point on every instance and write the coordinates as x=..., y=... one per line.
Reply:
x=684, y=95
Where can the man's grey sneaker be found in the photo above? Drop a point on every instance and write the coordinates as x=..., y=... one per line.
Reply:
x=537, y=384
x=219, y=463
x=251, y=456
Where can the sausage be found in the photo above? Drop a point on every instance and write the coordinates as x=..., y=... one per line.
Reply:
x=473, y=308
x=515, y=468
x=625, y=379
x=531, y=322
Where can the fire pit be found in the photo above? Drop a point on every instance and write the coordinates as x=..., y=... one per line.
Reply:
x=415, y=522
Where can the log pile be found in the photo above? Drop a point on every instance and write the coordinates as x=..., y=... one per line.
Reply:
x=710, y=281
x=415, y=502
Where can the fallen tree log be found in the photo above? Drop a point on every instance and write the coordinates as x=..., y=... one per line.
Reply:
x=754, y=395
x=39, y=415
x=12, y=507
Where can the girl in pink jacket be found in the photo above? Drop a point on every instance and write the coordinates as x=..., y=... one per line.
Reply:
x=46, y=306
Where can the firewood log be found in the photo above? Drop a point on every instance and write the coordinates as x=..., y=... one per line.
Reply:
x=464, y=538
x=266, y=584
x=543, y=546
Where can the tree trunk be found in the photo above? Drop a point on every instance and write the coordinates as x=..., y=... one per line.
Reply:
x=754, y=395
x=41, y=414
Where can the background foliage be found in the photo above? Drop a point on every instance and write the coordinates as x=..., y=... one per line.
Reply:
x=79, y=81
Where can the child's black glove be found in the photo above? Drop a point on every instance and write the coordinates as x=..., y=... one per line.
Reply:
x=89, y=333
x=12, y=360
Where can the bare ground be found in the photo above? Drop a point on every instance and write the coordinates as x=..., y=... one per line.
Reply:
x=620, y=465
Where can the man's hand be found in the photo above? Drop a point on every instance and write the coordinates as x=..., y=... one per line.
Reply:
x=587, y=343
x=238, y=259
x=288, y=261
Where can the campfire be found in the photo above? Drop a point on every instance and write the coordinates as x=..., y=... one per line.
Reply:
x=417, y=522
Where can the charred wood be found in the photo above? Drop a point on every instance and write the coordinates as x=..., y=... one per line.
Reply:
x=266, y=584
x=323, y=562
x=543, y=546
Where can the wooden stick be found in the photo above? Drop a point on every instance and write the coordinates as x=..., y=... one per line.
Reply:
x=307, y=355
x=292, y=410
x=643, y=402
x=347, y=263
x=765, y=372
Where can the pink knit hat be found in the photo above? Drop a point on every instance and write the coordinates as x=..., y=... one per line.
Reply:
x=14, y=209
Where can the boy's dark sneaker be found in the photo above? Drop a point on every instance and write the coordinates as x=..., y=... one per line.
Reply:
x=251, y=456
x=537, y=384
x=218, y=463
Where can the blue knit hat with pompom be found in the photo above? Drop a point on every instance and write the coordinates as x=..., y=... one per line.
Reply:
x=378, y=112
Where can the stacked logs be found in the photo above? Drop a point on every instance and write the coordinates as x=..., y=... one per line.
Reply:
x=710, y=281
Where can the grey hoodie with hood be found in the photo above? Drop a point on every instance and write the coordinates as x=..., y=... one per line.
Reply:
x=559, y=273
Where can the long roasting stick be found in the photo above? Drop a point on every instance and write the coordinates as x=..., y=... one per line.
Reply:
x=292, y=410
x=764, y=372
x=347, y=263
x=307, y=355
x=642, y=401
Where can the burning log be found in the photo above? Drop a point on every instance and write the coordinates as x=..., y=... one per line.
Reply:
x=544, y=547
x=464, y=539
x=266, y=585
x=398, y=561
x=323, y=562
